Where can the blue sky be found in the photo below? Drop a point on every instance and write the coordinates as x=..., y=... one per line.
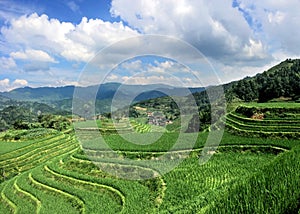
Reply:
x=64, y=10
x=49, y=43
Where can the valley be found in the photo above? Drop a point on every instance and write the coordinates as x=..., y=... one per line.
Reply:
x=157, y=159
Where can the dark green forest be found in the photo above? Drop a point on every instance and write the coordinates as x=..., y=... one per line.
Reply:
x=282, y=80
x=27, y=115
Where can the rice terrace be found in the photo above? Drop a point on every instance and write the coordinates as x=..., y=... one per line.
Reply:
x=255, y=169
x=148, y=106
x=51, y=174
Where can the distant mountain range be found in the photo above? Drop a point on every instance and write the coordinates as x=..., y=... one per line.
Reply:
x=61, y=97
x=281, y=81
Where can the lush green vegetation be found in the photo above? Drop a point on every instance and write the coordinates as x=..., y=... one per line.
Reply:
x=24, y=135
x=255, y=169
x=283, y=105
x=265, y=120
x=51, y=174
x=280, y=81
x=277, y=189
x=208, y=182
x=32, y=117
x=139, y=127
x=73, y=184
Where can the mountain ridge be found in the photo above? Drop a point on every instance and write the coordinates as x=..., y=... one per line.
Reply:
x=281, y=80
x=61, y=97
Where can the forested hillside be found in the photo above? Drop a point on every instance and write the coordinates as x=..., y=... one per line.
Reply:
x=17, y=114
x=282, y=80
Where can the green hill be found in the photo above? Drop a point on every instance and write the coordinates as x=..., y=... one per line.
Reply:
x=279, y=83
x=282, y=80
x=13, y=112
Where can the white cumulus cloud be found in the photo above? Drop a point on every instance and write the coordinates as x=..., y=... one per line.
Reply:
x=278, y=21
x=240, y=37
x=4, y=82
x=19, y=82
x=73, y=42
x=7, y=85
x=32, y=55
x=221, y=33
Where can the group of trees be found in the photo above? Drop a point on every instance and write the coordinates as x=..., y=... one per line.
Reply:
x=282, y=80
x=57, y=122
x=29, y=117
x=11, y=114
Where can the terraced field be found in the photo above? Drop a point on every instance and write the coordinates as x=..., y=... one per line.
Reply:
x=116, y=127
x=281, y=123
x=54, y=175
x=139, y=127
x=105, y=127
